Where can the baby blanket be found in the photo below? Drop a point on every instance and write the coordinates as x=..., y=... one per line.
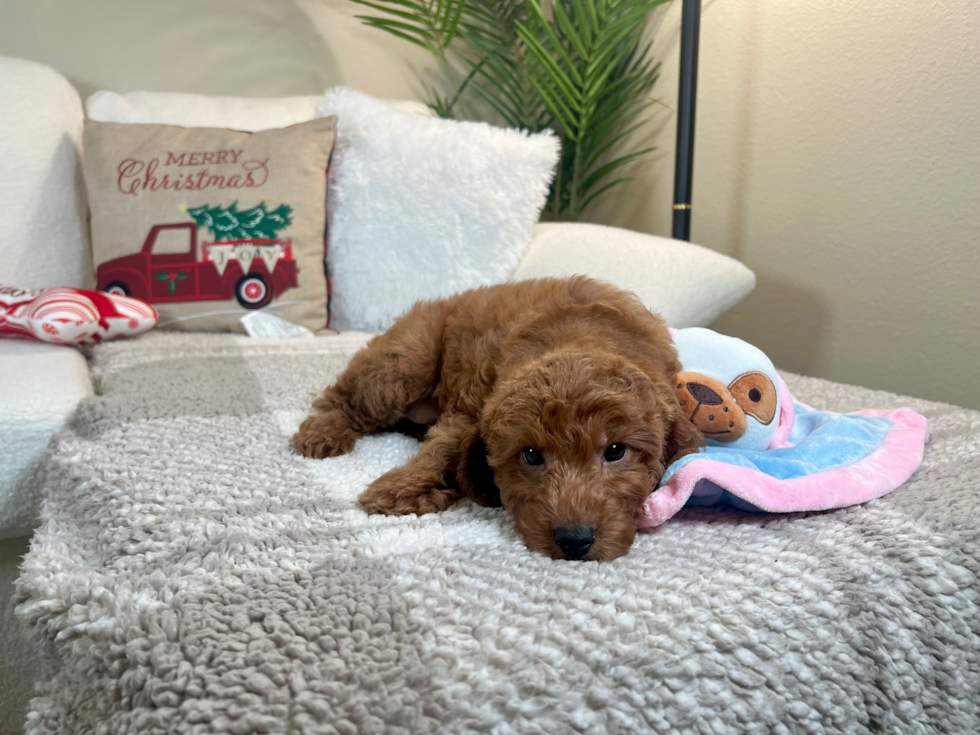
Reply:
x=768, y=452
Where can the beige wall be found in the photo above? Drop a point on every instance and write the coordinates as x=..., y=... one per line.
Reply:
x=838, y=150
x=252, y=48
x=838, y=156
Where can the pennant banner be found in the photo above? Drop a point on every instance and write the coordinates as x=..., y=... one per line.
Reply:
x=221, y=255
x=270, y=256
x=244, y=254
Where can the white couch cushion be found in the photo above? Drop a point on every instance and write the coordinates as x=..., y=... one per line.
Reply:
x=42, y=385
x=201, y=111
x=43, y=240
x=688, y=285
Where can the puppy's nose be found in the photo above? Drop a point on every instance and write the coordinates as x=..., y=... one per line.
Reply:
x=575, y=541
x=704, y=395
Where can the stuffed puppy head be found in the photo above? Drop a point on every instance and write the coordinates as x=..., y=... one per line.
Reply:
x=728, y=388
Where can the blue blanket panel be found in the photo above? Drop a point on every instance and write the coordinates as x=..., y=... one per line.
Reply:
x=823, y=441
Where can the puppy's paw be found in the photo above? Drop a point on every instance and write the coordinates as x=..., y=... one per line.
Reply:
x=405, y=490
x=325, y=435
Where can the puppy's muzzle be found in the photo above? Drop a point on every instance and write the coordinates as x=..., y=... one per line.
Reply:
x=575, y=541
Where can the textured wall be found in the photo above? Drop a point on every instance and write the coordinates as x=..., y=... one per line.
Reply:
x=254, y=48
x=838, y=150
x=838, y=156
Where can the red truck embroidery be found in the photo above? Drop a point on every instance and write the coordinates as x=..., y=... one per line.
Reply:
x=253, y=271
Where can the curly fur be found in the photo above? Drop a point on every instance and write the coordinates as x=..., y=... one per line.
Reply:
x=567, y=367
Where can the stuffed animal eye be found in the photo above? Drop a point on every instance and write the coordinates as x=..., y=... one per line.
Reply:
x=532, y=456
x=614, y=452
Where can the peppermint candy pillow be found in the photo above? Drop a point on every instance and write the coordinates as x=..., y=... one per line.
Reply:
x=71, y=316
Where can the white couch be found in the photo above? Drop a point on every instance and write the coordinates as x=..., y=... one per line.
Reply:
x=44, y=243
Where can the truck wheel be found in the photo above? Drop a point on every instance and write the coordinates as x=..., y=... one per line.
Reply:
x=118, y=288
x=253, y=292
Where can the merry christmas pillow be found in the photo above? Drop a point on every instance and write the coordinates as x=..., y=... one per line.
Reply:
x=208, y=224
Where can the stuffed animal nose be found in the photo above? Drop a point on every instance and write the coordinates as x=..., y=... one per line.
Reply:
x=704, y=395
x=575, y=541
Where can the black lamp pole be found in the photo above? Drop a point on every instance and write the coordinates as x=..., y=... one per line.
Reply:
x=687, y=97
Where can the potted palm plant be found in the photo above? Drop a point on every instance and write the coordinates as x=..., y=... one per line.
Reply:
x=580, y=67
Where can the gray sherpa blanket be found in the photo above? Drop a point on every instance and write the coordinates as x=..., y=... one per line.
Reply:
x=192, y=574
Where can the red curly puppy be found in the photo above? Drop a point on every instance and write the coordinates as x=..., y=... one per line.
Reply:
x=552, y=397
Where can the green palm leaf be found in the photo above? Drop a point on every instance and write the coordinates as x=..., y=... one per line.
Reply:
x=582, y=68
x=431, y=24
x=489, y=29
x=593, y=76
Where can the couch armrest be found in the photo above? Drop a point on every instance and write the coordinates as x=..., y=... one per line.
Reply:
x=688, y=285
x=44, y=238
x=42, y=385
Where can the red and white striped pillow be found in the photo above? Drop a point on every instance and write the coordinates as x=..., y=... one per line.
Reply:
x=71, y=316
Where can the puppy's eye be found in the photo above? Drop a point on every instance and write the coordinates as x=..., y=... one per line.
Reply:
x=532, y=456
x=614, y=452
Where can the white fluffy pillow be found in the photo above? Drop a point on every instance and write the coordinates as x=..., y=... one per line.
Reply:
x=688, y=285
x=423, y=208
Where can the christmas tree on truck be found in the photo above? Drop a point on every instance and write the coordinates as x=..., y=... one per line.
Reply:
x=257, y=223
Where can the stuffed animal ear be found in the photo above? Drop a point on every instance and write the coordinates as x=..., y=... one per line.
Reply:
x=755, y=394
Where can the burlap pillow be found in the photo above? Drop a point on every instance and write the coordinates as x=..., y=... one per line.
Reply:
x=207, y=224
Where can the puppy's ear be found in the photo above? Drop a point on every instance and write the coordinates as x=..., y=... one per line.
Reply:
x=680, y=435
x=473, y=475
x=683, y=437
